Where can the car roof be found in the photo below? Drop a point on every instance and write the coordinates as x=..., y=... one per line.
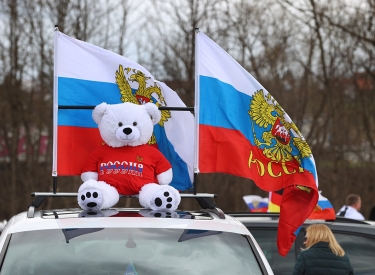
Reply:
x=123, y=218
x=209, y=218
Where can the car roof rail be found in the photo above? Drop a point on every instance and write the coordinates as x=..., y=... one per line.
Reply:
x=348, y=220
x=253, y=214
x=205, y=200
x=338, y=219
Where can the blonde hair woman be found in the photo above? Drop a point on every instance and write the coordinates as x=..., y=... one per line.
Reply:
x=323, y=254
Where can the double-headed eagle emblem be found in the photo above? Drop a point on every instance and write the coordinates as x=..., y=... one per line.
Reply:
x=147, y=91
x=276, y=143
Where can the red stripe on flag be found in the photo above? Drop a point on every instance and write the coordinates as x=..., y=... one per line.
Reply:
x=218, y=153
x=74, y=144
x=228, y=151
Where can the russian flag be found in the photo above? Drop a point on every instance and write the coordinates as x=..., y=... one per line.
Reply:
x=87, y=75
x=243, y=131
x=323, y=210
x=256, y=203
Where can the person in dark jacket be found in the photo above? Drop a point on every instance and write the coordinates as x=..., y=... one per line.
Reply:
x=323, y=255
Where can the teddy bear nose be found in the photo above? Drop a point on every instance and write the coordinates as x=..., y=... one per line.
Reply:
x=127, y=131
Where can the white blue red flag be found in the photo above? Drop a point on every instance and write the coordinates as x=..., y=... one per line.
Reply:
x=323, y=210
x=243, y=131
x=256, y=203
x=87, y=75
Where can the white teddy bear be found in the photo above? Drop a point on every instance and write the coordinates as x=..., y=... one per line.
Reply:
x=126, y=164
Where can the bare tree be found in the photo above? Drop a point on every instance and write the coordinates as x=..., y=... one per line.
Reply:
x=340, y=124
x=171, y=40
x=316, y=58
x=26, y=81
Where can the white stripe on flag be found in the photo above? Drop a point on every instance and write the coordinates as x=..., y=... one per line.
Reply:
x=82, y=60
x=219, y=64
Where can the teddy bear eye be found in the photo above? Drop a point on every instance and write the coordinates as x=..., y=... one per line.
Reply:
x=120, y=124
x=134, y=123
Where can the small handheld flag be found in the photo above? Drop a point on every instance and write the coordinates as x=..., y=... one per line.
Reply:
x=256, y=203
x=323, y=210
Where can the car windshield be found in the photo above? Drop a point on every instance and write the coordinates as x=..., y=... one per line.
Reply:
x=129, y=251
x=267, y=241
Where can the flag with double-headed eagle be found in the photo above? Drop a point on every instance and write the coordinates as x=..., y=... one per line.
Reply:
x=85, y=76
x=242, y=130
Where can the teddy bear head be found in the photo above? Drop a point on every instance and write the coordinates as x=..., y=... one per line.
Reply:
x=126, y=124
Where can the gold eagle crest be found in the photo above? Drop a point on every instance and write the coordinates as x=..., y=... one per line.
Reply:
x=147, y=91
x=276, y=143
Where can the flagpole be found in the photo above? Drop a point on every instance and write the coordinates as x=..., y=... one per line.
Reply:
x=55, y=110
x=196, y=111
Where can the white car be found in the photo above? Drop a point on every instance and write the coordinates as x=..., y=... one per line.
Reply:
x=129, y=241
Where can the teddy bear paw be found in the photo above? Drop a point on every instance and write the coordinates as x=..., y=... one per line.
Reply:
x=165, y=199
x=90, y=199
x=159, y=197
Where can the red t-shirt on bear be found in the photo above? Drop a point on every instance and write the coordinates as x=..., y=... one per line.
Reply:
x=127, y=168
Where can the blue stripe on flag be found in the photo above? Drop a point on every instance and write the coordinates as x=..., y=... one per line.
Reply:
x=181, y=179
x=228, y=108
x=218, y=97
x=325, y=204
x=297, y=230
x=260, y=205
x=77, y=118
x=78, y=92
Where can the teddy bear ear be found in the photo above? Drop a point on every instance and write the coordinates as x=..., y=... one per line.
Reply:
x=98, y=112
x=153, y=111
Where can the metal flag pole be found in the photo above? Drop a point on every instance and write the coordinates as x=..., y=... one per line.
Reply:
x=55, y=110
x=196, y=112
